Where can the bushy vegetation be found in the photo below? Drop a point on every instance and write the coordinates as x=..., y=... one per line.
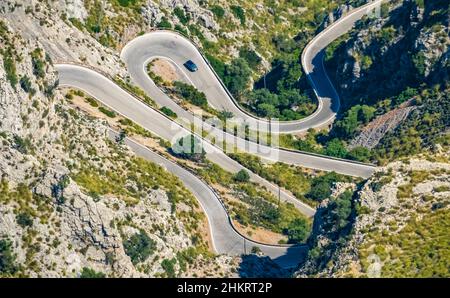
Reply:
x=139, y=247
x=164, y=24
x=169, y=267
x=179, y=12
x=38, y=63
x=190, y=93
x=353, y=118
x=325, y=143
x=239, y=13
x=168, y=112
x=97, y=183
x=321, y=186
x=242, y=176
x=218, y=11
x=23, y=145
x=418, y=250
x=104, y=26
x=135, y=91
x=10, y=68
x=289, y=177
x=24, y=219
x=8, y=266
x=7, y=51
x=283, y=95
x=306, y=187
x=258, y=207
x=25, y=83
x=425, y=127
x=107, y=112
x=91, y=273
x=297, y=231
x=189, y=147
x=386, y=70
x=126, y=3
x=236, y=76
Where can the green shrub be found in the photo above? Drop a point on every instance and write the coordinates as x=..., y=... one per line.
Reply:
x=360, y=154
x=366, y=62
x=419, y=61
x=423, y=246
x=353, y=118
x=139, y=247
x=181, y=29
x=181, y=15
x=77, y=23
x=217, y=65
x=169, y=267
x=10, y=69
x=237, y=76
x=92, y=101
x=24, y=220
x=107, y=112
x=168, y=112
x=442, y=188
x=242, y=176
x=25, y=83
x=8, y=266
x=23, y=145
x=336, y=148
x=297, y=230
x=191, y=94
x=250, y=56
x=321, y=186
x=38, y=63
x=255, y=250
x=126, y=3
x=239, y=13
x=341, y=209
x=218, y=11
x=164, y=24
x=91, y=273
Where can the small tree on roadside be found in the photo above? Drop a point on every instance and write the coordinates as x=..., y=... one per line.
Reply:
x=189, y=147
x=242, y=176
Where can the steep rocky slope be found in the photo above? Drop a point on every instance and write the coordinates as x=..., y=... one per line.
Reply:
x=395, y=225
x=406, y=46
x=392, y=73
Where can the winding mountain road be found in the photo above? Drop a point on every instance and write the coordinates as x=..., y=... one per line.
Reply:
x=178, y=49
x=174, y=47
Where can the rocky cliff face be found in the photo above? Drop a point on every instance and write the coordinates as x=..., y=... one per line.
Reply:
x=407, y=45
x=399, y=226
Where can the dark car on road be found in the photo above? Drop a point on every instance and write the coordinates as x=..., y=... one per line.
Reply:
x=191, y=65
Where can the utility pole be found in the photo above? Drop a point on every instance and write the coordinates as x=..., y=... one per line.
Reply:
x=279, y=195
x=265, y=73
x=245, y=247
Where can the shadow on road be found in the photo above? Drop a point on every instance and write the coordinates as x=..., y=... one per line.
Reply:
x=256, y=266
